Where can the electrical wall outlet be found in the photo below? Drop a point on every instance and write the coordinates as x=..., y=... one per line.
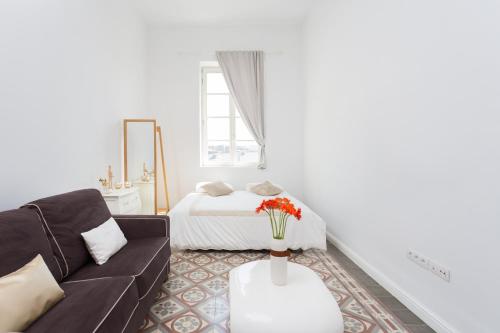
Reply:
x=440, y=271
x=418, y=259
x=426, y=263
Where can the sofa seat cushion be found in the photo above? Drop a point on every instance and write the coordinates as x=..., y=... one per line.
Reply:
x=99, y=305
x=22, y=238
x=64, y=218
x=143, y=259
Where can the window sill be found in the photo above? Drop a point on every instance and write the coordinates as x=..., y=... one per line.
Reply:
x=229, y=165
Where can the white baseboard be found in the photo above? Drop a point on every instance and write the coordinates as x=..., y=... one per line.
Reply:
x=430, y=318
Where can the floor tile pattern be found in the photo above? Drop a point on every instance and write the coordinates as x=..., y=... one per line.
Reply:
x=195, y=297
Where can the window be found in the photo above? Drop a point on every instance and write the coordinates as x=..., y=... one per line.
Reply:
x=225, y=140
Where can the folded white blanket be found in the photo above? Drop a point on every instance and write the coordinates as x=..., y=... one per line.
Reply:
x=238, y=203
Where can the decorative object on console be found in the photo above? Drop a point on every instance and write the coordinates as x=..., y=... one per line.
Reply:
x=279, y=249
x=110, y=177
x=104, y=185
x=118, y=186
x=107, y=183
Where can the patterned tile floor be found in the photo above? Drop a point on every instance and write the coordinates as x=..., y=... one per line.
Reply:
x=195, y=298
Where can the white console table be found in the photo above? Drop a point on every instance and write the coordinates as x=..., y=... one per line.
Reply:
x=123, y=201
x=147, y=195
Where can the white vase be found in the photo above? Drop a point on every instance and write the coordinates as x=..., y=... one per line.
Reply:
x=279, y=261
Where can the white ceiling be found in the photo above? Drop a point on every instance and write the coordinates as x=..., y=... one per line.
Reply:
x=200, y=12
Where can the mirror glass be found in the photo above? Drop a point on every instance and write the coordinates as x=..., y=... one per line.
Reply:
x=140, y=161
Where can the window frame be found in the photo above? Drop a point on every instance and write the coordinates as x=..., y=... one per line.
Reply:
x=207, y=69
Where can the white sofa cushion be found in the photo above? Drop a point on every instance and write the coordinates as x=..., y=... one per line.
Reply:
x=104, y=241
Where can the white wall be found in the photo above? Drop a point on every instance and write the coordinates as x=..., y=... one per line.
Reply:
x=402, y=135
x=70, y=71
x=174, y=56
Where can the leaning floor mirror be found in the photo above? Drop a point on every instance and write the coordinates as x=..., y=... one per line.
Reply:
x=141, y=146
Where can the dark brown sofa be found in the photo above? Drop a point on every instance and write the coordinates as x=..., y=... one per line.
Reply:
x=113, y=297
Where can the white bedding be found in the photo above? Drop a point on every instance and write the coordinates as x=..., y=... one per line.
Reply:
x=200, y=221
x=238, y=203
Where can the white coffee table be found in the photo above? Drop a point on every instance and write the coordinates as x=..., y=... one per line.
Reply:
x=303, y=305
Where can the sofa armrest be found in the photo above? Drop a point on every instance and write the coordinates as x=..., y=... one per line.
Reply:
x=143, y=226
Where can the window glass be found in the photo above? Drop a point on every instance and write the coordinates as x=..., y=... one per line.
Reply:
x=218, y=129
x=217, y=105
x=225, y=140
x=218, y=151
x=216, y=84
x=247, y=151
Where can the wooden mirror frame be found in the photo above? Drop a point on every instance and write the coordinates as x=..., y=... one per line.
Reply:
x=164, y=170
x=125, y=153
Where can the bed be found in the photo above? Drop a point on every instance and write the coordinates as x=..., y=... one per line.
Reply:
x=229, y=222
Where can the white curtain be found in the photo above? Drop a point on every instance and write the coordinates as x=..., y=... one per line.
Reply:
x=244, y=74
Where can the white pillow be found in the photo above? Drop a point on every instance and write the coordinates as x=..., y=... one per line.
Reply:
x=104, y=241
x=200, y=189
x=216, y=189
x=266, y=188
x=249, y=186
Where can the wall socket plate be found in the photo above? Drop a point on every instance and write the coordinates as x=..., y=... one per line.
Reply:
x=424, y=262
x=440, y=271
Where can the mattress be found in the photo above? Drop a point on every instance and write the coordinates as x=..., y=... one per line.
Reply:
x=200, y=221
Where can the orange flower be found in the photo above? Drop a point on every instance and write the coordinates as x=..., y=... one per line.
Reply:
x=298, y=215
x=285, y=207
x=282, y=204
